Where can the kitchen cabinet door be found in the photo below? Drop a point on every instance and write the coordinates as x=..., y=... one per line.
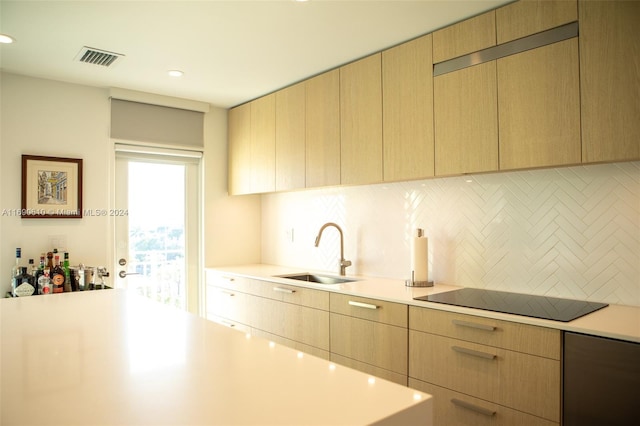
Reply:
x=465, y=37
x=323, y=130
x=466, y=120
x=294, y=322
x=370, y=342
x=370, y=335
x=539, y=107
x=361, y=121
x=407, y=87
x=517, y=380
x=239, y=122
x=263, y=144
x=610, y=80
x=455, y=408
x=290, y=138
x=526, y=17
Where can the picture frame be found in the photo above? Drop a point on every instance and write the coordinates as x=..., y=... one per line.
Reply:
x=51, y=187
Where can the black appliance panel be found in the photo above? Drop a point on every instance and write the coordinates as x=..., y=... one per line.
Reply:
x=544, y=307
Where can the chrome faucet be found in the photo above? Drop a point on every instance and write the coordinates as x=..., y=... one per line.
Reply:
x=343, y=262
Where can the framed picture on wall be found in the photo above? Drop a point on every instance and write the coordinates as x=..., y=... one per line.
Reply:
x=51, y=187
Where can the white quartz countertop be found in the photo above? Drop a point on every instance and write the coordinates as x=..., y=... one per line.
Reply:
x=614, y=321
x=112, y=358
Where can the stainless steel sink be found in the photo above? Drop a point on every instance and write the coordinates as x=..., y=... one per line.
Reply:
x=316, y=278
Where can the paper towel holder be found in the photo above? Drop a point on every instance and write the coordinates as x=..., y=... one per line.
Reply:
x=413, y=283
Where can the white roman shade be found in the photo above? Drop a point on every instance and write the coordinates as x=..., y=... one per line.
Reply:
x=142, y=122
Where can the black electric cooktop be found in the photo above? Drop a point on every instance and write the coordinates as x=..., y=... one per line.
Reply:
x=551, y=308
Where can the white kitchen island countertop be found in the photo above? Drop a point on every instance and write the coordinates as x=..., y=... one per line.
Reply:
x=112, y=358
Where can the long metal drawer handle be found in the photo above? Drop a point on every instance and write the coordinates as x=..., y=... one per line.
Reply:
x=473, y=407
x=284, y=290
x=227, y=323
x=363, y=305
x=228, y=278
x=228, y=293
x=473, y=325
x=472, y=352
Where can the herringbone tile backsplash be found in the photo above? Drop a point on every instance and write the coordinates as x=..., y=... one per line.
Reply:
x=568, y=232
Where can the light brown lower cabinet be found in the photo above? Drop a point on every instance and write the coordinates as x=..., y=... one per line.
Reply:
x=373, y=347
x=454, y=408
x=312, y=350
x=369, y=335
x=486, y=359
x=288, y=315
x=481, y=371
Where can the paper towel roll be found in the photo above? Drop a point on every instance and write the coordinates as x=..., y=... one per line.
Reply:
x=420, y=258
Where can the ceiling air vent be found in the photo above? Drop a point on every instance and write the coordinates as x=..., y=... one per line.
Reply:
x=90, y=55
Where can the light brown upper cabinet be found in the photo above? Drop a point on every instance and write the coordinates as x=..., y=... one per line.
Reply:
x=610, y=80
x=263, y=144
x=466, y=120
x=526, y=17
x=361, y=121
x=290, y=138
x=239, y=123
x=465, y=37
x=407, y=86
x=539, y=107
x=465, y=101
x=323, y=130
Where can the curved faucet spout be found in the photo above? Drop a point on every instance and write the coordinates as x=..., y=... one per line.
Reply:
x=343, y=262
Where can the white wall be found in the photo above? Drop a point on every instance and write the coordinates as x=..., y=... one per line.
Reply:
x=42, y=117
x=45, y=117
x=570, y=232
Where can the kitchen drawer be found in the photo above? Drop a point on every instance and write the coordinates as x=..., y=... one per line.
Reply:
x=313, y=298
x=229, y=323
x=457, y=409
x=300, y=323
x=226, y=303
x=369, y=309
x=530, y=339
x=400, y=379
x=370, y=342
x=524, y=382
x=312, y=350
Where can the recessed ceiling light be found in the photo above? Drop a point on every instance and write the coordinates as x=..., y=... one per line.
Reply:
x=175, y=73
x=6, y=39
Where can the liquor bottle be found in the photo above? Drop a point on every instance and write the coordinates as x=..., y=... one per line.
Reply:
x=92, y=284
x=23, y=283
x=57, y=276
x=67, y=273
x=31, y=270
x=15, y=270
x=44, y=282
x=50, y=261
x=81, y=277
x=39, y=271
